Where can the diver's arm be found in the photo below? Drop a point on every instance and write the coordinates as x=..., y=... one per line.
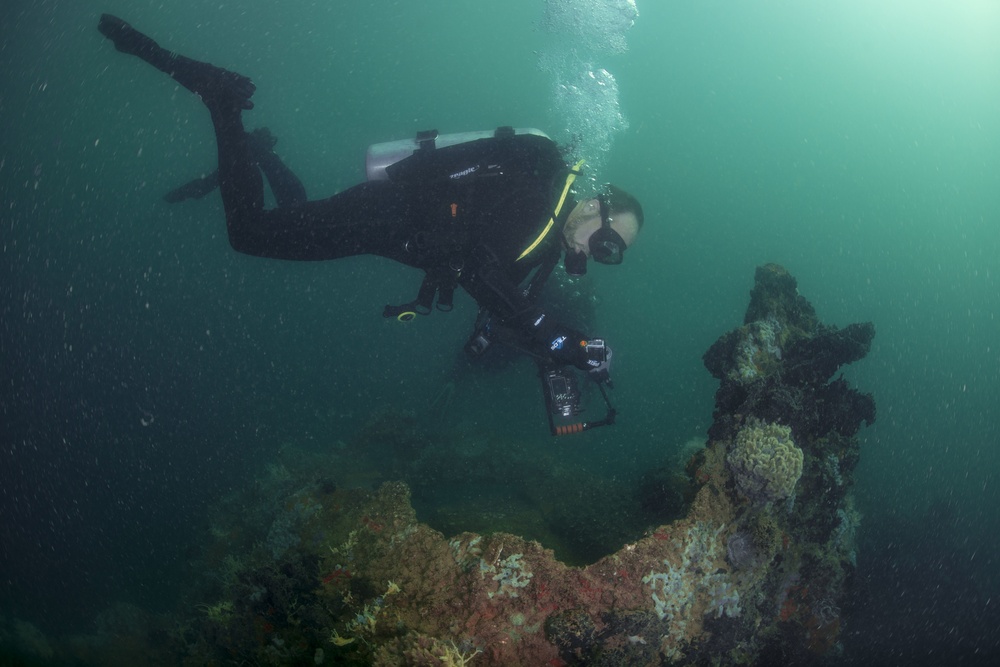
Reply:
x=528, y=326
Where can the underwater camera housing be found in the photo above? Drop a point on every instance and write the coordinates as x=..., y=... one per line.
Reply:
x=563, y=401
x=562, y=393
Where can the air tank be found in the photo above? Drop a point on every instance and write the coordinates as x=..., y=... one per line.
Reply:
x=380, y=156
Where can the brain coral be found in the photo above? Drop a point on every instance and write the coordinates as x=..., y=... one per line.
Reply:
x=764, y=461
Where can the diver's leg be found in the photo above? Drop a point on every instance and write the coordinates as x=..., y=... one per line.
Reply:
x=240, y=182
x=286, y=186
x=374, y=218
x=370, y=218
x=203, y=79
x=225, y=94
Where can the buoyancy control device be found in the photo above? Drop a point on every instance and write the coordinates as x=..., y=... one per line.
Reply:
x=430, y=157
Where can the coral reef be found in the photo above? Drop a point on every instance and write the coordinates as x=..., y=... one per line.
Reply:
x=305, y=571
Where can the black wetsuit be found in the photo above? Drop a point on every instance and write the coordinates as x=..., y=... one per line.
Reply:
x=464, y=213
x=285, y=185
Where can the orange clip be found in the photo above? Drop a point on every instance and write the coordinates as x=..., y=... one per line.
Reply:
x=454, y=210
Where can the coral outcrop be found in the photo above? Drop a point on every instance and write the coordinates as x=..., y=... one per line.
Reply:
x=777, y=366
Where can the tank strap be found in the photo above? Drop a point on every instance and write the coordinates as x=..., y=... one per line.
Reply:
x=426, y=140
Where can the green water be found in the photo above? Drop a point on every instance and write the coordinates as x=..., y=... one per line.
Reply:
x=857, y=143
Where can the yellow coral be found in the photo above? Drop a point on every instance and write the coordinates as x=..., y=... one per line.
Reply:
x=335, y=638
x=367, y=619
x=764, y=461
x=352, y=541
x=220, y=611
x=454, y=657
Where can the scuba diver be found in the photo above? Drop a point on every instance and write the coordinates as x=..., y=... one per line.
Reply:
x=492, y=215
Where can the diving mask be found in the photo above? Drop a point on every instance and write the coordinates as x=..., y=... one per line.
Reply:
x=606, y=245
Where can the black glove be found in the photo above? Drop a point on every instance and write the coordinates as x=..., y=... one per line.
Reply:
x=566, y=346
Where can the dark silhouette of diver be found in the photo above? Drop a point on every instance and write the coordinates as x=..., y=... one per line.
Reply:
x=492, y=216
